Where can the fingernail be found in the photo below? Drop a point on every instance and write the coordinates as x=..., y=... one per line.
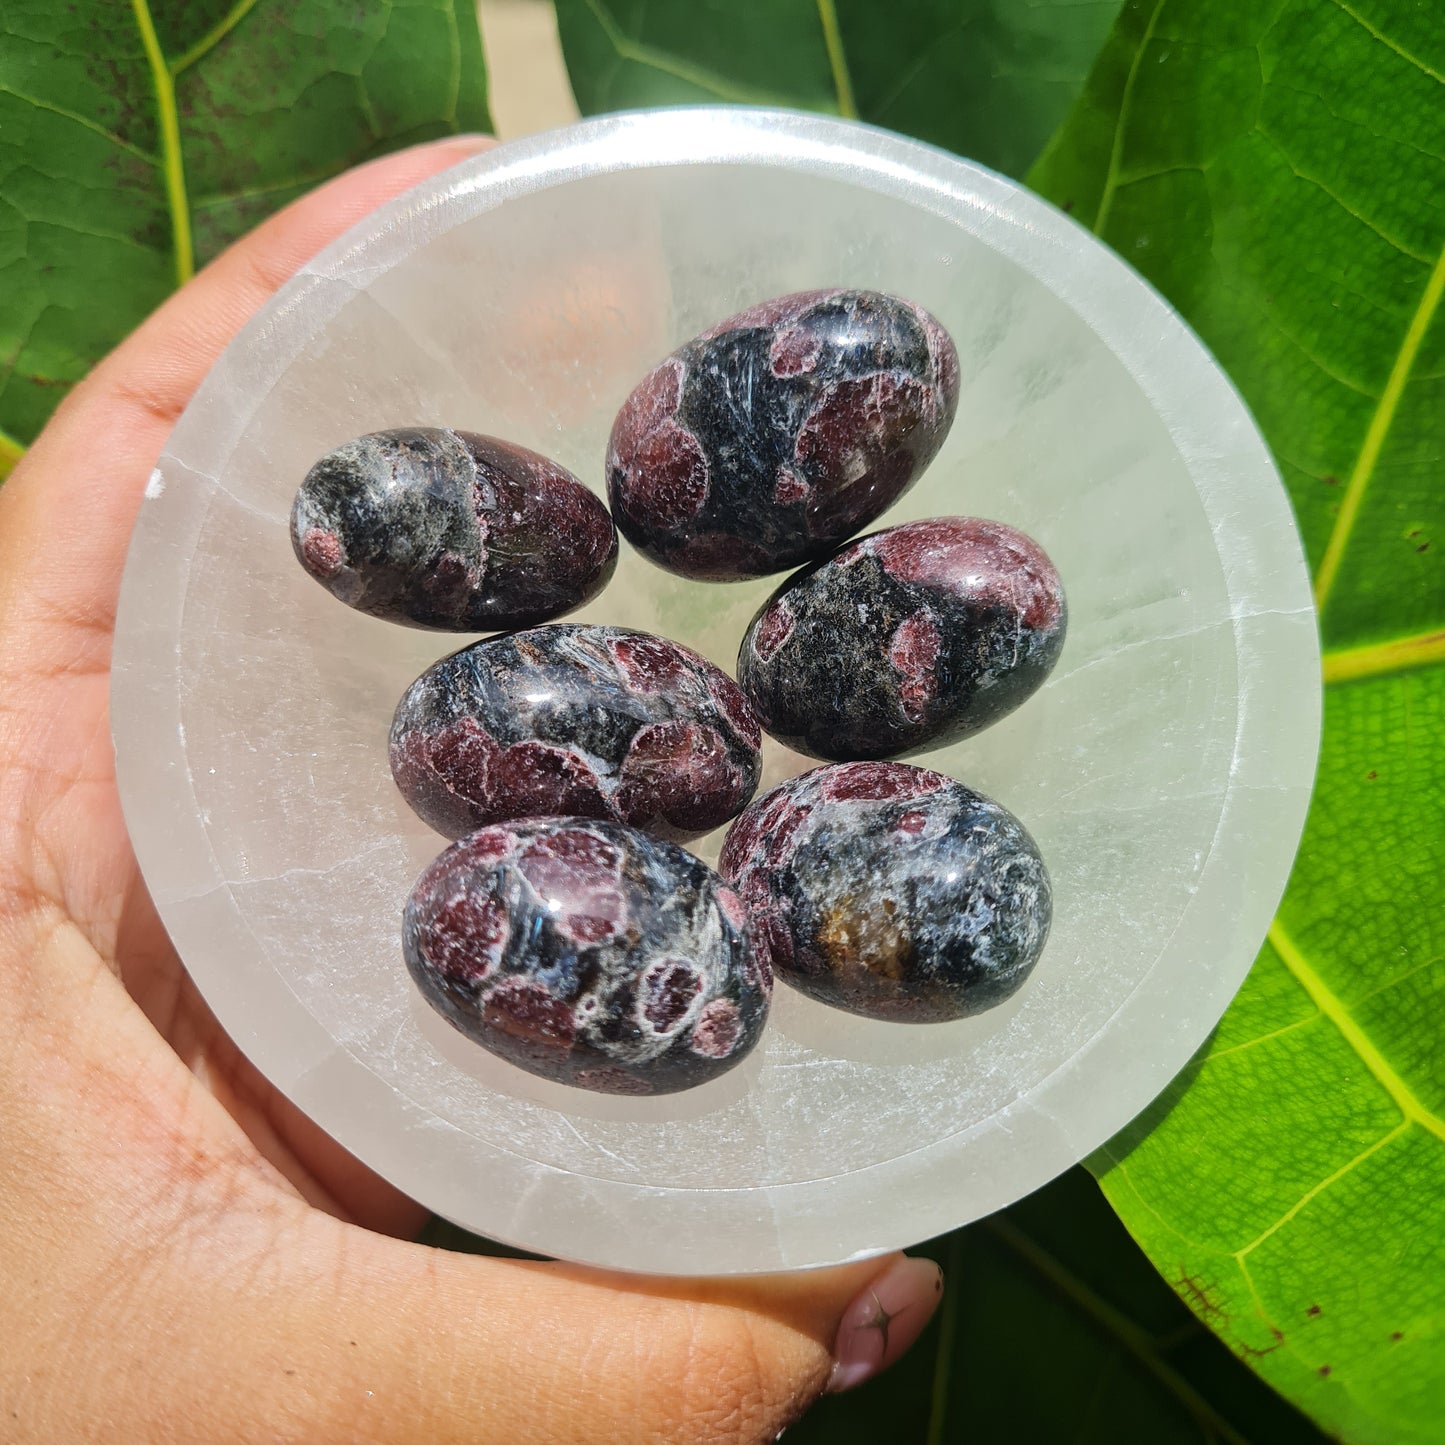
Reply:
x=884, y=1321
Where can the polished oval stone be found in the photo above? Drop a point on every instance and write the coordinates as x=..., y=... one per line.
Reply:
x=890, y=891
x=773, y=437
x=588, y=953
x=908, y=639
x=451, y=530
x=600, y=722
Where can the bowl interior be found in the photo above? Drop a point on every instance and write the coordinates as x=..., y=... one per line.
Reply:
x=531, y=320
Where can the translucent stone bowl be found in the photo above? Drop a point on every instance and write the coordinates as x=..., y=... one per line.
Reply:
x=1164, y=770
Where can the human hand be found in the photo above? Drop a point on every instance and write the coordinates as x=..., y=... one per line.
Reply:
x=182, y=1254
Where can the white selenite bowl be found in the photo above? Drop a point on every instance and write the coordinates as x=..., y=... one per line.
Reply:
x=1164, y=769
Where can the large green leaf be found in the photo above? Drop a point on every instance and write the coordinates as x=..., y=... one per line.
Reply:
x=1277, y=171
x=1054, y=1328
x=988, y=78
x=136, y=140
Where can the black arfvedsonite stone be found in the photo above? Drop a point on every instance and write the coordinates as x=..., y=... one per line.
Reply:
x=890, y=891
x=777, y=434
x=451, y=530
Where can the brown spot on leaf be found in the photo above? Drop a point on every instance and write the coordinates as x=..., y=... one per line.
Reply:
x=1397, y=1334
x=1324, y=1369
x=1199, y=1296
x=1253, y=1352
x=1330, y=480
x=1370, y=776
x=1315, y=1309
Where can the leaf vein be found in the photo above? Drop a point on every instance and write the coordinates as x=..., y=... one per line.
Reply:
x=1399, y=978
x=1341, y=118
x=639, y=54
x=947, y=1331
x=1126, y=100
x=1134, y=1340
x=454, y=59
x=1400, y=654
x=1124, y=182
x=1388, y=43
x=1343, y=204
x=300, y=182
x=366, y=109
x=1314, y=1193
x=1376, y=432
x=1317, y=362
x=1264, y=1314
x=837, y=59
x=213, y=37
x=10, y=452
x=81, y=120
x=1334, y=1009
x=911, y=71
x=1215, y=1056
x=172, y=164
x=1120, y=1166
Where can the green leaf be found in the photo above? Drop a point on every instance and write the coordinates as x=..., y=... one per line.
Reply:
x=1277, y=172
x=986, y=78
x=1055, y=1328
x=137, y=139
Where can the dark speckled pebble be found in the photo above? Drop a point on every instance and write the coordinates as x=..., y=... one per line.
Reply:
x=890, y=891
x=588, y=953
x=601, y=722
x=908, y=639
x=777, y=434
x=450, y=530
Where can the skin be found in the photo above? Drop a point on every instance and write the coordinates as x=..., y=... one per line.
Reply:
x=183, y=1257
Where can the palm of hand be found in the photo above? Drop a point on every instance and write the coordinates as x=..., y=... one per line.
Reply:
x=83, y=892
x=70, y=878
x=186, y=1256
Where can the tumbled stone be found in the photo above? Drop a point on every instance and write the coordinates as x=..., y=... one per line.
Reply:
x=890, y=891
x=599, y=722
x=451, y=530
x=777, y=434
x=588, y=953
x=908, y=639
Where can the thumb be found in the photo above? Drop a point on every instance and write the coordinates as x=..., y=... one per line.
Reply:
x=360, y=1338
x=369, y=1339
